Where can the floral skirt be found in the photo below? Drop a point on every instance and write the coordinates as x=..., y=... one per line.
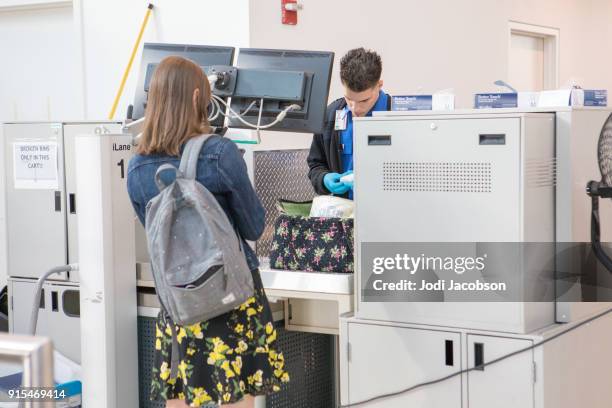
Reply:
x=223, y=359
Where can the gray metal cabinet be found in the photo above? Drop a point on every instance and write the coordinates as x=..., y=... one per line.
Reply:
x=429, y=163
x=36, y=219
x=71, y=131
x=506, y=384
x=384, y=359
x=416, y=174
x=58, y=315
x=549, y=376
x=41, y=222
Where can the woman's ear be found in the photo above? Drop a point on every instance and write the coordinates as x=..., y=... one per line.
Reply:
x=196, y=97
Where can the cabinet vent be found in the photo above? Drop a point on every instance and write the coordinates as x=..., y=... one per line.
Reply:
x=448, y=177
x=541, y=173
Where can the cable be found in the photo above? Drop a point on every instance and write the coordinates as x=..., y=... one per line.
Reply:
x=259, y=120
x=259, y=115
x=212, y=79
x=248, y=108
x=279, y=118
x=216, y=108
x=215, y=105
x=231, y=114
x=39, y=285
x=497, y=360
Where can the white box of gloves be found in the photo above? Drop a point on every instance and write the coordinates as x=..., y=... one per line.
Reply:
x=573, y=97
x=436, y=102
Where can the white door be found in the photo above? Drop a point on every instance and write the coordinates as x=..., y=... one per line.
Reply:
x=526, y=68
x=385, y=360
x=506, y=384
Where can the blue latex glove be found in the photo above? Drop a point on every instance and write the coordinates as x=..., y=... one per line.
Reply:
x=349, y=184
x=332, y=182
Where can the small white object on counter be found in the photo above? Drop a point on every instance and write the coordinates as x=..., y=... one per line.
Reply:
x=349, y=178
x=331, y=206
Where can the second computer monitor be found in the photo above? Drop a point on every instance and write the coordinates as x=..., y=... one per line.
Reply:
x=283, y=78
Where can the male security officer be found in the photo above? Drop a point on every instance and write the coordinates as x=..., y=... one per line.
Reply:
x=331, y=153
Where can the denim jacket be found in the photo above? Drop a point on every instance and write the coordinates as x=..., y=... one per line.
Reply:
x=222, y=170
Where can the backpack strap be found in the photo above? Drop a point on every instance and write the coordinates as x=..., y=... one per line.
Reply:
x=189, y=160
x=174, y=357
x=164, y=167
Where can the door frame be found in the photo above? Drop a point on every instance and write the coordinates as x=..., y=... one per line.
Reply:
x=551, y=38
x=28, y=5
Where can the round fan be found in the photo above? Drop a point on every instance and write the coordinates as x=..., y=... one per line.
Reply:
x=603, y=189
x=604, y=152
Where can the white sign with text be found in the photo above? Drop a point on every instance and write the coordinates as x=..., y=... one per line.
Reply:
x=35, y=165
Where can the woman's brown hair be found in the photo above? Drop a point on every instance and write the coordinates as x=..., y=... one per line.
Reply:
x=172, y=116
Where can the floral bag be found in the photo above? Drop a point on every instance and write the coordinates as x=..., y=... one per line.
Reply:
x=312, y=244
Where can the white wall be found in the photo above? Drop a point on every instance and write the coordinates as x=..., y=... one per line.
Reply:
x=109, y=33
x=37, y=75
x=38, y=65
x=440, y=43
x=586, y=36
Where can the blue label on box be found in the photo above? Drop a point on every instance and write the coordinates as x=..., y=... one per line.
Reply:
x=595, y=97
x=495, y=100
x=411, y=102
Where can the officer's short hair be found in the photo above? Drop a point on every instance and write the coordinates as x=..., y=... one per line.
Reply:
x=360, y=69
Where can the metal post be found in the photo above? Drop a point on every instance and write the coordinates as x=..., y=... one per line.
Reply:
x=109, y=338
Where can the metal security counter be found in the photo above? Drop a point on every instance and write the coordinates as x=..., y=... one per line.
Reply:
x=301, y=281
x=308, y=301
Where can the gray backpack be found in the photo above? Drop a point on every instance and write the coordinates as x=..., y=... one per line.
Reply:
x=198, y=263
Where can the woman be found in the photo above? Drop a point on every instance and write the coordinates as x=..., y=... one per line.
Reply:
x=231, y=358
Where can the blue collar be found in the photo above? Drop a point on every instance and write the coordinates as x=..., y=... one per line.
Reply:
x=380, y=105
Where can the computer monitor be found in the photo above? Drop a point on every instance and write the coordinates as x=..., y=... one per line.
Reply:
x=153, y=53
x=283, y=78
